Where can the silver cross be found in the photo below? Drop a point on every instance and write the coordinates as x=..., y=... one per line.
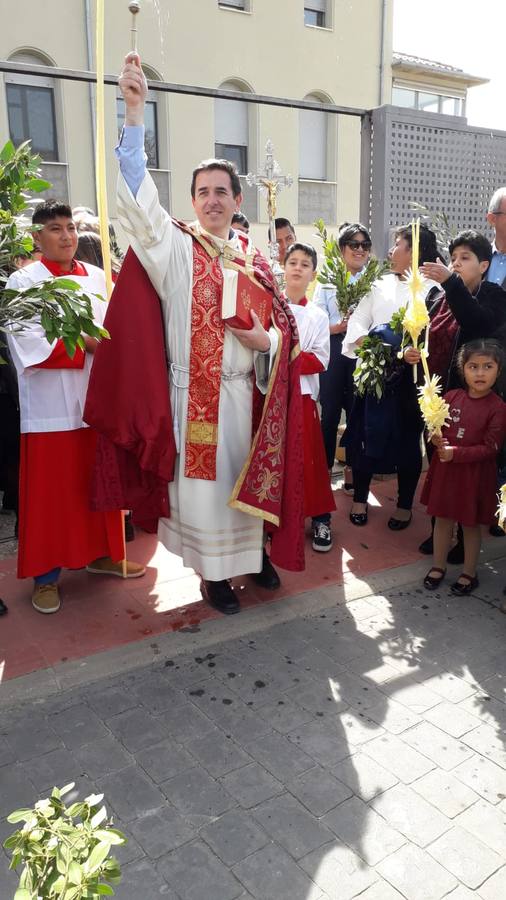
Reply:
x=269, y=182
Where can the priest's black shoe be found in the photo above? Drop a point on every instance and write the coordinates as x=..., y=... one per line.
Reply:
x=221, y=595
x=3, y=608
x=268, y=578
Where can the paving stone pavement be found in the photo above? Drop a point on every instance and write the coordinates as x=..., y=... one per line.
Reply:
x=354, y=752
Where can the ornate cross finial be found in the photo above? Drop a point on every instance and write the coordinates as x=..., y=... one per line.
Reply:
x=269, y=182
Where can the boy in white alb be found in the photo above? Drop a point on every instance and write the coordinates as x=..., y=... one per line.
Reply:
x=56, y=526
x=314, y=335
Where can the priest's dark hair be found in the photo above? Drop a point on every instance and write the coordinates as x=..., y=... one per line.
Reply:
x=308, y=249
x=477, y=243
x=348, y=231
x=428, y=249
x=280, y=222
x=223, y=165
x=50, y=209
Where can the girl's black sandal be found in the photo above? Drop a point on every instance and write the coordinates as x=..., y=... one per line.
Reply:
x=432, y=583
x=462, y=590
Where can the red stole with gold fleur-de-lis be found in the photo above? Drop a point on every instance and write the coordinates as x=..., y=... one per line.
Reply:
x=206, y=354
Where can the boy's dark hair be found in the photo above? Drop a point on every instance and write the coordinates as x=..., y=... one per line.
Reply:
x=51, y=209
x=428, y=250
x=280, y=222
x=308, y=249
x=240, y=219
x=483, y=347
x=477, y=243
x=223, y=165
x=347, y=232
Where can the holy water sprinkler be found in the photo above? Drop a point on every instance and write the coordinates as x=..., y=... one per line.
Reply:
x=134, y=7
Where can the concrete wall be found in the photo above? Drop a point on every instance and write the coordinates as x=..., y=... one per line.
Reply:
x=268, y=49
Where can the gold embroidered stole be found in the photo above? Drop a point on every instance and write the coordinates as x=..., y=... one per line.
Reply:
x=206, y=353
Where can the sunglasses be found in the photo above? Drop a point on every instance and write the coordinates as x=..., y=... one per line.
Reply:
x=359, y=245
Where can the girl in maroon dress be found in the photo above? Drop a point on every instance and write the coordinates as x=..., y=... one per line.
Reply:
x=461, y=482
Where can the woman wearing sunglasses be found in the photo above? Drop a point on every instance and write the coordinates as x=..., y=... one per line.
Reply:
x=336, y=384
x=384, y=436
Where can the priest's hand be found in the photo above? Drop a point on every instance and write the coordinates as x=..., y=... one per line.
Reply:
x=256, y=338
x=134, y=89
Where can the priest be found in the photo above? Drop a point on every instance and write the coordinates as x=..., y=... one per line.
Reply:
x=232, y=396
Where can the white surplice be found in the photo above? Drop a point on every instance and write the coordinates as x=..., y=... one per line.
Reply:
x=314, y=337
x=215, y=540
x=386, y=297
x=51, y=399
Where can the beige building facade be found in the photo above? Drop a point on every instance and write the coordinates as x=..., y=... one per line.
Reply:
x=320, y=50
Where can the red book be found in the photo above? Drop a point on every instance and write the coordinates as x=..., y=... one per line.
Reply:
x=250, y=295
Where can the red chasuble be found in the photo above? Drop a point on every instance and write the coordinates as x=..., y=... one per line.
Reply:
x=128, y=403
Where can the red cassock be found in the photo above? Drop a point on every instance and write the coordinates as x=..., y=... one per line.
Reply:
x=318, y=496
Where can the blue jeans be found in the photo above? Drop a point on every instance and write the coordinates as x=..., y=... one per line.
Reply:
x=48, y=577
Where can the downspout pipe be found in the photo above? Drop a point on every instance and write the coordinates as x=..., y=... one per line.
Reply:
x=382, y=51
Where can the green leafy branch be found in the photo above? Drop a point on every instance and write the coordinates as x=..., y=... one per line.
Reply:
x=370, y=374
x=60, y=305
x=65, y=851
x=438, y=222
x=335, y=272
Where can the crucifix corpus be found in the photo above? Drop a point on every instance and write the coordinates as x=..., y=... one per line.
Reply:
x=269, y=182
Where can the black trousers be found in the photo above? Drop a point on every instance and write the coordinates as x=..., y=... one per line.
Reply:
x=336, y=394
x=407, y=479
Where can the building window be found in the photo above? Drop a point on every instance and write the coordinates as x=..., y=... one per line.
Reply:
x=150, y=129
x=235, y=154
x=231, y=129
x=242, y=5
x=427, y=101
x=312, y=143
x=32, y=118
x=315, y=13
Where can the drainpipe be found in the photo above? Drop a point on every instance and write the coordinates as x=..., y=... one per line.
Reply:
x=382, y=51
x=89, y=57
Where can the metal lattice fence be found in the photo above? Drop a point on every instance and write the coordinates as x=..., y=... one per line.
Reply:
x=437, y=161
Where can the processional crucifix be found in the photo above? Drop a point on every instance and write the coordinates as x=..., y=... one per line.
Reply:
x=269, y=182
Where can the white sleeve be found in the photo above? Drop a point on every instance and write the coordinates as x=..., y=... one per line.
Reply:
x=264, y=362
x=30, y=346
x=157, y=242
x=321, y=340
x=359, y=325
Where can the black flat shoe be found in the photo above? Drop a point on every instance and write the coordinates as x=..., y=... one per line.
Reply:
x=3, y=608
x=496, y=531
x=399, y=524
x=462, y=590
x=359, y=518
x=220, y=595
x=431, y=583
x=268, y=578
